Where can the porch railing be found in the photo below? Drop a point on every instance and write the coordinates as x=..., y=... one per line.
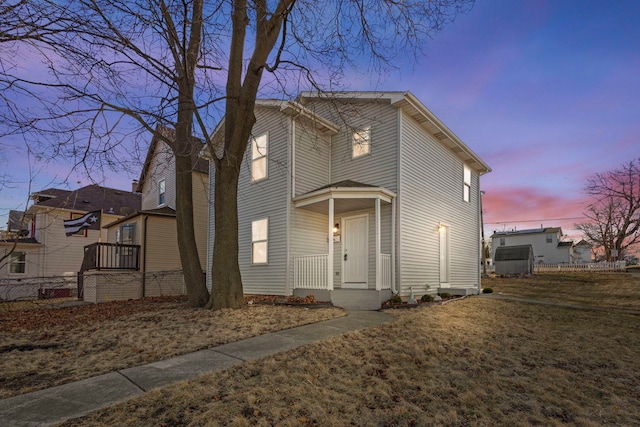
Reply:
x=385, y=271
x=111, y=256
x=310, y=271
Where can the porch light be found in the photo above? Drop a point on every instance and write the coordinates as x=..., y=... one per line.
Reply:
x=440, y=228
x=336, y=229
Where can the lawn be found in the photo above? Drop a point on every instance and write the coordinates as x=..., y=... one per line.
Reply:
x=476, y=361
x=42, y=346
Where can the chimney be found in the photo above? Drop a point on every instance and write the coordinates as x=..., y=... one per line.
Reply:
x=134, y=186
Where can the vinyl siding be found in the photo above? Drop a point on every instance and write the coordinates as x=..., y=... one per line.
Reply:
x=162, y=244
x=432, y=193
x=313, y=153
x=265, y=199
x=162, y=167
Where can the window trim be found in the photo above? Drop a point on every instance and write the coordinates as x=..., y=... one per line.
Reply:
x=14, y=262
x=162, y=192
x=466, y=183
x=365, y=135
x=265, y=156
x=255, y=241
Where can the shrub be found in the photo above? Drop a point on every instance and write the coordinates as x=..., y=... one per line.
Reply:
x=395, y=299
x=487, y=291
x=426, y=298
x=445, y=295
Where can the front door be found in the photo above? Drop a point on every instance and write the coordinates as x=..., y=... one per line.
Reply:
x=355, y=265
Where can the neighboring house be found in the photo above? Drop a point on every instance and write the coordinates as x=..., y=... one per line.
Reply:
x=153, y=226
x=582, y=251
x=548, y=247
x=46, y=251
x=512, y=260
x=351, y=196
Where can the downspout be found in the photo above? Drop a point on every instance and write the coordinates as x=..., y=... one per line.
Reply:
x=144, y=255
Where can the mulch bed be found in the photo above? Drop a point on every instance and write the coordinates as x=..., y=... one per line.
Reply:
x=388, y=305
x=308, y=302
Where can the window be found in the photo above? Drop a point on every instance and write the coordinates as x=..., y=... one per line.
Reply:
x=259, y=157
x=18, y=262
x=259, y=236
x=361, y=144
x=549, y=238
x=502, y=241
x=467, y=183
x=161, y=192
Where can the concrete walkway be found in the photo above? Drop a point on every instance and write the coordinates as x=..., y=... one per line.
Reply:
x=73, y=400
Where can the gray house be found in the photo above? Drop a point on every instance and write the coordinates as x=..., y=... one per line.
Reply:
x=514, y=260
x=352, y=196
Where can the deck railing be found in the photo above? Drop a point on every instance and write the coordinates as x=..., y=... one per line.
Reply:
x=310, y=271
x=111, y=256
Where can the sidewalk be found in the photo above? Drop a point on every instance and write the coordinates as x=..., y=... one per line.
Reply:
x=73, y=400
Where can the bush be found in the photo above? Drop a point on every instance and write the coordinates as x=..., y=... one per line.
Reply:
x=396, y=299
x=487, y=291
x=426, y=298
x=445, y=295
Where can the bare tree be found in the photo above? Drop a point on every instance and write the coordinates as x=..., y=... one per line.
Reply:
x=185, y=63
x=613, y=217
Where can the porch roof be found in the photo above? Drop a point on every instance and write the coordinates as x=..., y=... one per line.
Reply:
x=348, y=196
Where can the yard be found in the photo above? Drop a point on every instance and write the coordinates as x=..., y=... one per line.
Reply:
x=477, y=361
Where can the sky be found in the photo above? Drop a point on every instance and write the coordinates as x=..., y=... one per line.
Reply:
x=545, y=92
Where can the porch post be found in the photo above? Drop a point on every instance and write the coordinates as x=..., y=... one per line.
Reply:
x=393, y=245
x=378, y=245
x=330, y=255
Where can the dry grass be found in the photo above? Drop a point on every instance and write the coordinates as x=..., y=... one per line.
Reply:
x=621, y=290
x=478, y=361
x=40, y=348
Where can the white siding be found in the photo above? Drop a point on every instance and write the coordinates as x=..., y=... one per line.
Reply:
x=432, y=193
x=312, y=156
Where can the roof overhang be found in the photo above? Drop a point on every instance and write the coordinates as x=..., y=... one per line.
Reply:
x=347, y=198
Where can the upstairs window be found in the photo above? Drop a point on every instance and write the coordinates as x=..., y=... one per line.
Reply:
x=18, y=262
x=466, y=184
x=549, y=238
x=361, y=143
x=502, y=241
x=259, y=147
x=161, y=192
x=259, y=241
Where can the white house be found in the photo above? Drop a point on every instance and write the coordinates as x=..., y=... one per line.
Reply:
x=548, y=247
x=582, y=251
x=352, y=196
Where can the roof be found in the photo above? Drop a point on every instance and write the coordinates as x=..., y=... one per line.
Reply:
x=163, y=211
x=514, y=253
x=344, y=184
x=199, y=164
x=93, y=198
x=583, y=243
x=529, y=231
x=16, y=222
x=49, y=193
x=407, y=102
x=565, y=244
x=21, y=240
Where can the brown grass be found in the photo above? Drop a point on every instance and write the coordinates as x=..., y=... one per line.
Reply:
x=620, y=290
x=478, y=361
x=40, y=348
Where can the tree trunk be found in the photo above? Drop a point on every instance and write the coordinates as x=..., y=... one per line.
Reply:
x=194, y=276
x=226, y=289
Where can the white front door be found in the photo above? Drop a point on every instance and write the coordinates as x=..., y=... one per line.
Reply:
x=355, y=256
x=444, y=256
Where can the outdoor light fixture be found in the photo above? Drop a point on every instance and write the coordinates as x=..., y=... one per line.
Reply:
x=336, y=229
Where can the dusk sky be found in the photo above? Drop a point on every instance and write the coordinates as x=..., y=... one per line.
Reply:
x=545, y=92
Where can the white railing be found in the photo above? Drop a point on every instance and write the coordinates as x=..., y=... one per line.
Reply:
x=585, y=267
x=385, y=271
x=310, y=271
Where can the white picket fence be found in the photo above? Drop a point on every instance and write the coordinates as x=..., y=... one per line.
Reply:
x=584, y=267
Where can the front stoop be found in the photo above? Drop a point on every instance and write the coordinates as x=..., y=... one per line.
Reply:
x=359, y=299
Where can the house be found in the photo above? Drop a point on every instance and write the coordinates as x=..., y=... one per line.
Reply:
x=513, y=260
x=45, y=251
x=582, y=251
x=548, y=247
x=352, y=196
x=152, y=229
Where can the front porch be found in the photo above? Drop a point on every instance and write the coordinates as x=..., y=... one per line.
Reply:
x=352, y=226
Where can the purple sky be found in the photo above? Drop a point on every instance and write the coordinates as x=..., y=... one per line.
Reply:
x=546, y=92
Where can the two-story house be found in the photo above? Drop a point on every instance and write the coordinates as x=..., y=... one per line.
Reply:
x=352, y=196
x=153, y=229
x=47, y=252
x=547, y=243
